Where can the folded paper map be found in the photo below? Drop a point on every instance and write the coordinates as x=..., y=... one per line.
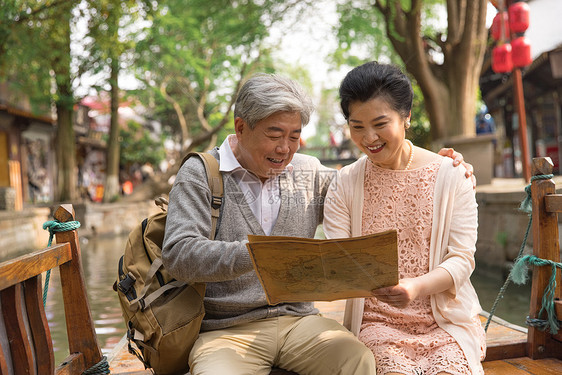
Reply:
x=294, y=269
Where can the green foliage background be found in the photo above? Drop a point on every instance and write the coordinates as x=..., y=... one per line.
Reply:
x=139, y=145
x=188, y=56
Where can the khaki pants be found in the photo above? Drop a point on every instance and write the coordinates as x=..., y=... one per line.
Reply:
x=311, y=345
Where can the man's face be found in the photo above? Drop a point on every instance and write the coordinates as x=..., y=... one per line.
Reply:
x=269, y=147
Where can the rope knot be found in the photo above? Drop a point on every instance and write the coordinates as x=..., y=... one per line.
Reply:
x=519, y=275
x=527, y=204
x=54, y=226
x=519, y=270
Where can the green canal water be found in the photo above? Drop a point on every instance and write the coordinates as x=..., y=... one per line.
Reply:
x=101, y=254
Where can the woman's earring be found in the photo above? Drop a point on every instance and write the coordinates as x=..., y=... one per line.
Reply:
x=407, y=124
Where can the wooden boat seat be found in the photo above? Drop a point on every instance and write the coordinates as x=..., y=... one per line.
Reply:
x=25, y=340
x=541, y=351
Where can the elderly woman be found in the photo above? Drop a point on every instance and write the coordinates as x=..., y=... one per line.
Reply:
x=428, y=323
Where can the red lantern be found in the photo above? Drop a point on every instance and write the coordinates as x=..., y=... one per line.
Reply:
x=519, y=17
x=496, y=27
x=501, y=59
x=521, y=52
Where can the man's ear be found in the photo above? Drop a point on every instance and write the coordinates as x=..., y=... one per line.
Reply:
x=240, y=126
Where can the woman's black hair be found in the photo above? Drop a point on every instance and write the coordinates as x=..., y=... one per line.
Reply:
x=372, y=80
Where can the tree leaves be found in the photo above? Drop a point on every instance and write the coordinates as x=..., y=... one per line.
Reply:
x=194, y=55
x=439, y=42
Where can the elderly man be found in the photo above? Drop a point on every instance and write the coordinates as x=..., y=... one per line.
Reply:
x=268, y=190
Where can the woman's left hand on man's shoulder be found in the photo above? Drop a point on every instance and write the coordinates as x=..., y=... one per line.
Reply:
x=458, y=159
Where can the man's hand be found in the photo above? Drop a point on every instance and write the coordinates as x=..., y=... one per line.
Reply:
x=457, y=160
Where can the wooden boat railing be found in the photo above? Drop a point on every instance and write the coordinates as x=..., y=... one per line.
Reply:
x=25, y=340
x=540, y=346
x=546, y=207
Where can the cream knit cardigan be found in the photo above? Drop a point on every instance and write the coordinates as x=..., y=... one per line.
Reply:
x=453, y=239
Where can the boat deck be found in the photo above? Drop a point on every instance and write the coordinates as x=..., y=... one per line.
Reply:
x=523, y=365
x=499, y=334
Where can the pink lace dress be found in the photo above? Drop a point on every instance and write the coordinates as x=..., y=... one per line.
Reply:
x=406, y=340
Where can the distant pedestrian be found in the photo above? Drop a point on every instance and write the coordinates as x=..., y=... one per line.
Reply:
x=147, y=171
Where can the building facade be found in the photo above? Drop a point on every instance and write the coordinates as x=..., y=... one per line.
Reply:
x=27, y=165
x=542, y=88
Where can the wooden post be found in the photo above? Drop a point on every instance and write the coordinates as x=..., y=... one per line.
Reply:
x=520, y=104
x=519, y=101
x=79, y=324
x=545, y=246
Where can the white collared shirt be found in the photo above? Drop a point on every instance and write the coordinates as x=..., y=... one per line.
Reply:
x=263, y=198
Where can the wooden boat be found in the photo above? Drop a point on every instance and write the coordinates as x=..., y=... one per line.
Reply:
x=511, y=349
x=26, y=345
x=503, y=338
x=500, y=333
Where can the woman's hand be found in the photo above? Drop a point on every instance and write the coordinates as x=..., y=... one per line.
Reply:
x=408, y=289
x=399, y=295
x=457, y=160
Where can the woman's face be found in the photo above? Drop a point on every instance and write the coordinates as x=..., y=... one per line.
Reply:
x=379, y=131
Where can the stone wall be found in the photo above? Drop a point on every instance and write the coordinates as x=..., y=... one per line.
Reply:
x=7, y=198
x=22, y=231
x=112, y=218
x=479, y=150
x=501, y=228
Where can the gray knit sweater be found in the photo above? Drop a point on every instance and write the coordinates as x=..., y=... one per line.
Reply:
x=234, y=294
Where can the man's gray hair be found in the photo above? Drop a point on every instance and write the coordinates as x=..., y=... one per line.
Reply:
x=265, y=94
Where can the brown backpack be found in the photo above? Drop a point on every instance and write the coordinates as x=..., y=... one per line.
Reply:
x=163, y=315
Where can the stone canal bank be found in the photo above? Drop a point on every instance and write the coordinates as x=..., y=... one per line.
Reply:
x=501, y=224
x=23, y=230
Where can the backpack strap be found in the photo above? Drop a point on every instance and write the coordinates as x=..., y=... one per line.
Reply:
x=214, y=178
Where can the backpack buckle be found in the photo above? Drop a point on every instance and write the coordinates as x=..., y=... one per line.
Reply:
x=126, y=283
x=216, y=202
x=142, y=304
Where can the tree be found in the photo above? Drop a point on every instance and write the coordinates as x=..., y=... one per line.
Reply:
x=139, y=145
x=54, y=33
x=36, y=42
x=195, y=56
x=446, y=64
x=106, y=20
x=16, y=13
x=105, y=50
x=102, y=45
x=59, y=61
